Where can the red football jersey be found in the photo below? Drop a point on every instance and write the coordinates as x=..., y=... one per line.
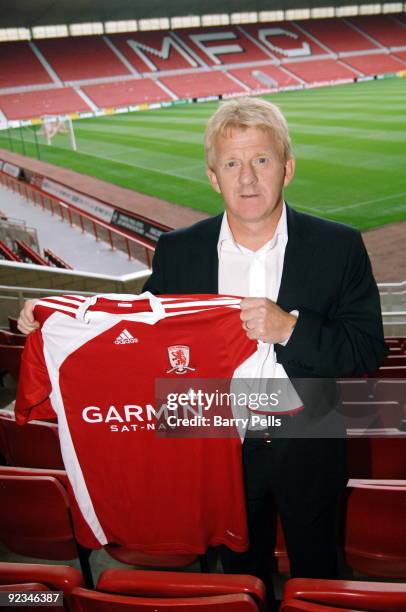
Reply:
x=93, y=363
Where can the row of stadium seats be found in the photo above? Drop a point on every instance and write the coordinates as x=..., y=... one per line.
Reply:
x=201, y=84
x=307, y=52
x=19, y=243
x=376, y=458
x=38, y=516
x=95, y=57
x=121, y=590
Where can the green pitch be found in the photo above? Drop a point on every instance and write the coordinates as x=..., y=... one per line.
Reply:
x=349, y=142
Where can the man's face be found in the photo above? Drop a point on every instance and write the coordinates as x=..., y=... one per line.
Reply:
x=250, y=174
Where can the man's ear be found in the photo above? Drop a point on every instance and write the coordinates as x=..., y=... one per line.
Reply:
x=289, y=171
x=211, y=175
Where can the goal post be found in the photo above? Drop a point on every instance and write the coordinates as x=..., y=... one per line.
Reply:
x=53, y=125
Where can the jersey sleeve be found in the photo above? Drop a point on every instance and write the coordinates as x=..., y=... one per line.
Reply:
x=34, y=385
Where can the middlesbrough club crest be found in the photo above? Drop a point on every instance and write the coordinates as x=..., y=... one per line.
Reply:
x=179, y=356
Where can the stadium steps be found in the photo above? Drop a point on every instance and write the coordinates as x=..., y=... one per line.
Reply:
x=51, y=72
x=86, y=99
x=80, y=250
x=120, y=56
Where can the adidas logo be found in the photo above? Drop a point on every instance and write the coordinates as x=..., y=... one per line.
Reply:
x=125, y=338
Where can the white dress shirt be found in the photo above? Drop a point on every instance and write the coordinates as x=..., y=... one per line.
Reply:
x=249, y=273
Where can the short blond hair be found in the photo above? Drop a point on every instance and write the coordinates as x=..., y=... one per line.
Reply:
x=245, y=112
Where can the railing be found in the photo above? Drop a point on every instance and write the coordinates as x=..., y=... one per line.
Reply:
x=26, y=252
x=20, y=294
x=393, y=295
x=7, y=253
x=135, y=248
x=55, y=260
x=16, y=229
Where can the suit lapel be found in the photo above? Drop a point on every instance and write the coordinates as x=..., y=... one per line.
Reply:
x=208, y=256
x=298, y=260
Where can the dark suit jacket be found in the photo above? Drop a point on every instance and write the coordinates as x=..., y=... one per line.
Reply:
x=327, y=277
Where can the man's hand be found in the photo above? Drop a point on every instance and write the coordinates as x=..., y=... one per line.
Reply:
x=264, y=320
x=26, y=322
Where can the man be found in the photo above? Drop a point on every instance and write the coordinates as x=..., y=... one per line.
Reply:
x=309, y=289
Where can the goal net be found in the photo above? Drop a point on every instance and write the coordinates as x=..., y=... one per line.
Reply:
x=53, y=125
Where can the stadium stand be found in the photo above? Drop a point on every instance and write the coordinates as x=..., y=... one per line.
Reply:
x=152, y=51
x=317, y=71
x=285, y=40
x=135, y=91
x=20, y=67
x=84, y=73
x=337, y=35
x=384, y=29
x=374, y=64
x=260, y=76
x=81, y=58
x=103, y=69
x=202, y=84
x=222, y=45
x=44, y=102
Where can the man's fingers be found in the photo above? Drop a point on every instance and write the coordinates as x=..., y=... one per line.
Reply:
x=247, y=303
x=26, y=322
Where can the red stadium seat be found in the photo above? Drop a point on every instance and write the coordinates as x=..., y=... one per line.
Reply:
x=7, y=337
x=344, y=595
x=120, y=553
x=30, y=576
x=296, y=605
x=356, y=390
x=60, y=475
x=395, y=360
x=135, y=557
x=372, y=414
x=35, y=444
x=12, y=325
x=375, y=531
x=179, y=584
x=10, y=359
x=146, y=590
x=35, y=520
x=377, y=458
x=391, y=390
x=93, y=601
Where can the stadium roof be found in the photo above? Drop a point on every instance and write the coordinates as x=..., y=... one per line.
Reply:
x=30, y=13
